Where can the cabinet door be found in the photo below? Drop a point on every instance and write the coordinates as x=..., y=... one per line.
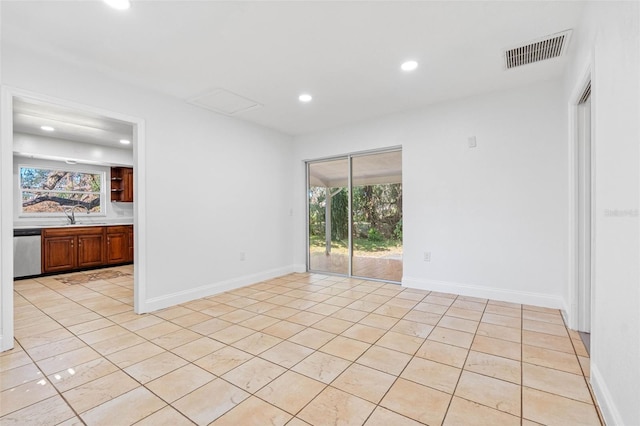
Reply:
x=90, y=250
x=58, y=253
x=127, y=185
x=130, y=235
x=117, y=247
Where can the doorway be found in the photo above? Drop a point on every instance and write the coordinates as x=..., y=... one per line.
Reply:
x=355, y=215
x=10, y=122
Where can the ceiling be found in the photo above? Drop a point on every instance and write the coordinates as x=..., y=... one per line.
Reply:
x=347, y=55
x=69, y=124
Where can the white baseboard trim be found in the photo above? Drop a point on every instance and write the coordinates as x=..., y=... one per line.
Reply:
x=603, y=396
x=5, y=344
x=472, y=290
x=300, y=268
x=173, y=299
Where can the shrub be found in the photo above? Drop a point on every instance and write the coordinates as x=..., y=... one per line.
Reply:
x=374, y=235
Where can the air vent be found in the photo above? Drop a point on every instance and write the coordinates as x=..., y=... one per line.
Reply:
x=586, y=94
x=539, y=50
x=224, y=102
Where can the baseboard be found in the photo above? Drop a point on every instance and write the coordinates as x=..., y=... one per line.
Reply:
x=299, y=269
x=173, y=299
x=603, y=396
x=524, y=297
x=5, y=344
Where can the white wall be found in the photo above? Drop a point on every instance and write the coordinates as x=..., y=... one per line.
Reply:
x=493, y=217
x=213, y=186
x=609, y=37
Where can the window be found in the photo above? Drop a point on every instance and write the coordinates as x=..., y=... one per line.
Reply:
x=46, y=191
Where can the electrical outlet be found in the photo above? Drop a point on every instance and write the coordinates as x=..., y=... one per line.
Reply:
x=427, y=256
x=242, y=256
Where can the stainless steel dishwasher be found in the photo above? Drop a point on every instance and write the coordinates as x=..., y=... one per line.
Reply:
x=26, y=252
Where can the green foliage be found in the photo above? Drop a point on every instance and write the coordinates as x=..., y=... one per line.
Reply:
x=397, y=232
x=375, y=235
x=339, y=215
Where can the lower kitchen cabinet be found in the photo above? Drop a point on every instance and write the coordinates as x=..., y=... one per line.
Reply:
x=67, y=249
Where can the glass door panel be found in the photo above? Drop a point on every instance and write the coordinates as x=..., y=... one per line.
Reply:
x=328, y=193
x=377, y=215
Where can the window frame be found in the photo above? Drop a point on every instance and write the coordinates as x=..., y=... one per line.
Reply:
x=102, y=193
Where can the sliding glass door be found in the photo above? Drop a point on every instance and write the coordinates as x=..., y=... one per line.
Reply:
x=355, y=215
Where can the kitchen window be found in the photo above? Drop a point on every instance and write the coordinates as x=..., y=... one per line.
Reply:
x=45, y=191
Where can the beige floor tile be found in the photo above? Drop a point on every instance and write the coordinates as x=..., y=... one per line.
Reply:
x=312, y=338
x=383, y=417
x=173, y=312
x=291, y=391
x=210, y=326
x=127, y=408
x=253, y=374
x=499, y=332
x=391, y=310
x=464, y=412
x=469, y=305
x=332, y=325
x=451, y=337
x=504, y=310
x=417, y=402
x=14, y=360
x=197, y=349
x=494, y=366
x=70, y=378
x=553, y=316
x=286, y=354
x=96, y=392
x=117, y=343
x=281, y=312
x=44, y=338
x=210, y=401
x=379, y=321
x=223, y=360
x=346, y=348
x=89, y=326
x=53, y=410
x=459, y=324
x=67, y=360
x=93, y=337
x=180, y=382
x=336, y=407
x=364, y=333
x=19, y=375
x=22, y=396
x=543, y=340
x=436, y=300
x=191, y=319
x=554, y=381
x=432, y=308
x=544, y=327
x=231, y=334
x=283, y=329
x=154, y=367
x=305, y=318
x=412, y=328
x=349, y=314
x=55, y=348
x=253, y=412
x=142, y=321
x=134, y=354
x=259, y=322
x=550, y=409
x=464, y=313
x=158, y=330
x=433, y=374
x=585, y=363
x=175, y=339
x=549, y=358
x=322, y=367
x=384, y=359
x=503, y=320
x=443, y=353
x=324, y=309
x=257, y=343
x=400, y=342
x=237, y=316
x=497, y=347
x=168, y=416
x=493, y=393
x=364, y=382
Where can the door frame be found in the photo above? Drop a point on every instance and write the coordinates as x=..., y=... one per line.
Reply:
x=579, y=315
x=6, y=202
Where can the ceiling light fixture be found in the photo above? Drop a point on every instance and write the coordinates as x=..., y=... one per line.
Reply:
x=409, y=66
x=119, y=4
x=305, y=97
x=125, y=141
x=47, y=128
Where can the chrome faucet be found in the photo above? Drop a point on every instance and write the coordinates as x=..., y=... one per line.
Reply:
x=70, y=212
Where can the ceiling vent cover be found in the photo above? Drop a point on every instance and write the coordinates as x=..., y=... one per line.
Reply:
x=224, y=102
x=546, y=48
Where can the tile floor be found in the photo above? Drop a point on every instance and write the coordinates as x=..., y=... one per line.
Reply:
x=300, y=349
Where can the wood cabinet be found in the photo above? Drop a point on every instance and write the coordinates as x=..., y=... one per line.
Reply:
x=70, y=248
x=122, y=184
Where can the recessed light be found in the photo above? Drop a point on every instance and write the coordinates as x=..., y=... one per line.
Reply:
x=47, y=128
x=119, y=4
x=409, y=66
x=125, y=141
x=305, y=97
